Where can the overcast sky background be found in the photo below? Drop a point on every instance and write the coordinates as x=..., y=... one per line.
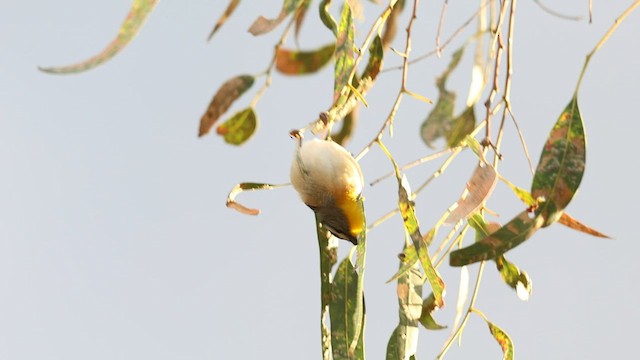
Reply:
x=115, y=242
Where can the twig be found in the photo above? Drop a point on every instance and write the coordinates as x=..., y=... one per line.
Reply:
x=272, y=63
x=507, y=86
x=557, y=14
x=604, y=39
x=403, y=87
x=414, y=164
x=440, y=25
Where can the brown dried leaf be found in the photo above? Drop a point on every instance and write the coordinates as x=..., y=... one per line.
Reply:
x=222, y=100
x=478, y=189
x=262, y=25
x=569, y=221
x=225, y=16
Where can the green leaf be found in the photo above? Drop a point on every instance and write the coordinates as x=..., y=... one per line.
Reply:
x=374, y=64
x=503, y=340
x=479, y=187
x=358, y=317
x=561, y=164
x=229, y=92
x=327, y=18
x=328, y=258
x=411, y=226
x=342, y=310
x=499, y=242
x=516, y=279
x=225, y=16
x=461, y=127
x=440, y=120
x=137, y=16
x=404, y=340
x=292, y=62
x=239, y=128
x=344, y=57
x=426, y=318
x=521, y=193
x=263, y=25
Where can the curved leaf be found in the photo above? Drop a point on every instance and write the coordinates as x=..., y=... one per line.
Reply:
x=292, y=62
x=342, y=310
x=561, y=164
x=478, y=189
x=426, y=318
x=504, y=239
x=503, y=340
x=231, y=198
x=239, y=128
x=326, y=17
x=138, y=14
x=222, y=100
x=225, y=16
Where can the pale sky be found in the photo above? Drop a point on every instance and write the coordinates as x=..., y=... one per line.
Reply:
x=115, y=242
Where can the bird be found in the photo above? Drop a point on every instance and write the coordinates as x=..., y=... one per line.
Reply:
x=330, y=182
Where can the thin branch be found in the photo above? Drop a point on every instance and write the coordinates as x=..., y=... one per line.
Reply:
x=507, y=85
x=604, y=39
x=272, y=63
x=403, y=87
x=414, y=164
x=440, y=25
x=557, y=14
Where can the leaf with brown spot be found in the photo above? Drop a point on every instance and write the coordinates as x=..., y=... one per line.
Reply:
x=342, y=309
x=374, y=65
x=516, y=279
x=229, y=92
x=291, y=62
x=239, y=128
x=561, y=164
x=510, y=235
x=503, y=340
x=225, y=16
x=404, y=340
x=478, y=189
x=344, y=57
x=137, y=16
x=570, y=222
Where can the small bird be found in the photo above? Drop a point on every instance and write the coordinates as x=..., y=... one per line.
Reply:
x=330, y=182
